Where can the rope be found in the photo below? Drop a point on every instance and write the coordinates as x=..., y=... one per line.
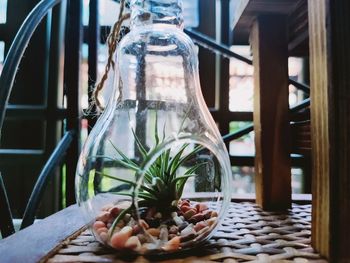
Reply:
x=112, y=41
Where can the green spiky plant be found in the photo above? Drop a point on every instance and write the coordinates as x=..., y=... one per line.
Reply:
x=162, y=186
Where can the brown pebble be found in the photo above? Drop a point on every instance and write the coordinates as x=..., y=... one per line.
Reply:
x=104, y=217
x=119, y=239
x=153, y=232
x=142, y=238
x=185, y=208
x=171, y=236
x=203, y=230
x=190, y=213
x=200, y=225
x=114, y=211
x=173, y=230
x=196, y=218
x=201, y=207
x=102, y=229
x=158, y=215
x=104, y=237
x=127, y=218
x=207, y=214
x=172, y=245
x=136, y=229
x=214, y=214
x=98, y=224
x=143, y=224
x=133, y=243
x=211, y=221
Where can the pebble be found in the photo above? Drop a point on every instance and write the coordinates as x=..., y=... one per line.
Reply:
x=133, y=243
x=121, y=224
x=143, y=224
x=196, y=218
x=173, y=230
x=119, y=239
x=136, y=229
x=98, y=224
x=127, y=218
x=104, y=237
x=172, y=245
x=207, y=214
x=101, y=230
x=185, y=208
x=171, y=236
x=203, y=230
x=214, y=214
x=178, y=221
x=190, y=213
x=188, y=230
x=104, y=217
x=200, y=225
x=183, y=226
x=201, y=207
x=163, y=235
x=114, y=211
x=154, y=232
x=187, y=237
x=211, y=221
x=142, y=238
x=158, y=215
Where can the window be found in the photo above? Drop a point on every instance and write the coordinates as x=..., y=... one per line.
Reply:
x=3, y=11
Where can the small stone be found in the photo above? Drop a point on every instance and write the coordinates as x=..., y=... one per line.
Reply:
x=211, y=221
x=163, y=235
x=203, y=230
x=173, y=214
x=119, y=239
x=169, y=222
x=185, y=208
x=114, y=211
x=214, y=214
x=196, y=218
x=173, y=230
x=143, y=224
x=178, y=220
x=150, y=213
x=104, y=237
x=127, y=218
x=104, y=217
x=121, y=224
x=172, y=245
x=133, y=243
x=185, y=203
x=153, y=222
x=207, y=214
x=102, y=229
x=201, y=207
x=171, y=236
x=97, y=225
x=153, y=232
x=136, y=229
x=142, y=238
x=187, y=237
x=188, y=230
x=200, y=225
x=158, y=215
x=190, y=213
x=183, y=226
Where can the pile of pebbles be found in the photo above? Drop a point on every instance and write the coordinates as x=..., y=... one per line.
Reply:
x=153, y=231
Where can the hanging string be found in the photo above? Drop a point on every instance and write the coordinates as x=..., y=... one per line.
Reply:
x=112, y=41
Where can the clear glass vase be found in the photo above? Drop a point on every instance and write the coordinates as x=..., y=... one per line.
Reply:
x=154, y=174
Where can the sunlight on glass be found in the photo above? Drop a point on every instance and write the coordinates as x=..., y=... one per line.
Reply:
x=85, y=12
x=3, y=9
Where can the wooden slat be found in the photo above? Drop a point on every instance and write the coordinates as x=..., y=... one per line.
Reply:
x=271, y=112
x=36, y=241
x=329, y=24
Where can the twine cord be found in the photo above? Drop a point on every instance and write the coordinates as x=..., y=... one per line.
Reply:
x=112, y=42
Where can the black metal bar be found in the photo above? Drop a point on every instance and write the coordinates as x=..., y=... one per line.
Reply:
x=248, y=160
x=72, y=85
x=17, y=49
x=43, y=179
x=21, y=157
x=210, y=43
x=93, y=41
x=235, y=135
x=6, y=224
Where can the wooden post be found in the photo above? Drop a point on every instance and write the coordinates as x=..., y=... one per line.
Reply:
x=269, y=41
x=329, y=27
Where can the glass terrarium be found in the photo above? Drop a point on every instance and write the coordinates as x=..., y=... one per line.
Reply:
x=154, y=174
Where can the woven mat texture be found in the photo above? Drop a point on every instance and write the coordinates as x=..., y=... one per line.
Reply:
x=248, y=234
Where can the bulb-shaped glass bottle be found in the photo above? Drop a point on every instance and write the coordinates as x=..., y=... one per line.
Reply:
x=154, y=174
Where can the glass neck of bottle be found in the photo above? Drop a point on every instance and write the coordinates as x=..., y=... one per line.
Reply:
x=148, y=12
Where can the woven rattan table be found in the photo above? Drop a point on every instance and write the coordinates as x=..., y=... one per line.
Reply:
x=247, y=235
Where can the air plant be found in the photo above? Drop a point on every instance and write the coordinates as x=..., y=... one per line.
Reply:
x=162, y=187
